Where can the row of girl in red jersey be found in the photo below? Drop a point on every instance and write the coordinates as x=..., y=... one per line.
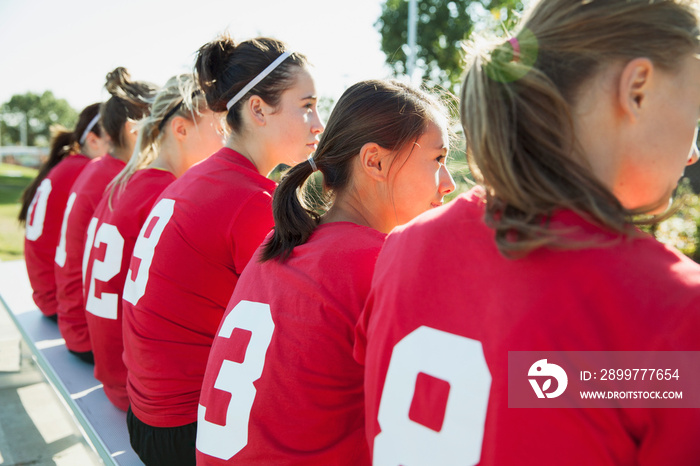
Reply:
x=256, y=328
x=174, y=249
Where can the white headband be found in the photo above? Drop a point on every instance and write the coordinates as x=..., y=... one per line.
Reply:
x=257, y=79
x=89, y=127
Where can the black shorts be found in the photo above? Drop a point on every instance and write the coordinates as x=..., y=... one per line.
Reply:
x=85, y=356
x=166, y=446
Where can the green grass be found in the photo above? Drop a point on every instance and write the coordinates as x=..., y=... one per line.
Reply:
x=13, y=180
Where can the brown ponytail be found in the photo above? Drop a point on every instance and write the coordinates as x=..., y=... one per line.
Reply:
x=130, y=101
x=63, y=144
x=388, y=113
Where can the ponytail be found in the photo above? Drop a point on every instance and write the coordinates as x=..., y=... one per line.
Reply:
x=521, y=147
x=295, y=218
x=63, y=144
x=180, y=96
x=516, y=111
x=130, y=101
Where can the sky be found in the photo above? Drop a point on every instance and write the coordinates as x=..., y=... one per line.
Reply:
x=68, y=46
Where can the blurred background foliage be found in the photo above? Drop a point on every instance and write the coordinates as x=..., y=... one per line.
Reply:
x=36, y=114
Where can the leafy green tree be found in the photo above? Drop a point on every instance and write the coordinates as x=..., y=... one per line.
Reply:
x=40, y=111
x=441, y=27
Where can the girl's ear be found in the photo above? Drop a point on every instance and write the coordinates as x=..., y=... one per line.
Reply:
x=96, y=143
x=374, y=161
x=258, y=110
x=178, y=126
x=91, y=139
x=634, y=85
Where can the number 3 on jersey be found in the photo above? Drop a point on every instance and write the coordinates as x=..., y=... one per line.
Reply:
x=451, y=358
x=224, y=441
x=152, y=229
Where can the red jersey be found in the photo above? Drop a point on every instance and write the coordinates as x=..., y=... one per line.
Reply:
x=281, y=385
x=198, y=238
x=44, y=219
x=111, y=237
x=445, y=301
x=84, y=197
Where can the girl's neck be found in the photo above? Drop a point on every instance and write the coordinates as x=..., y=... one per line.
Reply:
x=350, y=208
x=170, y=158
x=87, y=152
x=120, y=154
x=162, y=163
x=255, y=153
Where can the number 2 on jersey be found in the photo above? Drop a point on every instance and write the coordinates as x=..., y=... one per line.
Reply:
x=107, y=305
x=224, y=441
x=451, y=358
x=144, y=249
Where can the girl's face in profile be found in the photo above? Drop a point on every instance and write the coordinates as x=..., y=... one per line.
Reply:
x=295, y=125
x=420, y=178
x=667, y=140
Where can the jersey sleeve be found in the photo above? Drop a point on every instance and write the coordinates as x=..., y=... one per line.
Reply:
x=253, y=222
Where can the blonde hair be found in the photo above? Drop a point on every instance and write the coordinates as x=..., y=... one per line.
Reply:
x=181, y=96
x=517, y=101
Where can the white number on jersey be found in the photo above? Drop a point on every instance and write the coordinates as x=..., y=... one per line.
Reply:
x=61, y=249
x=145, y=248
x=36, y=214
x=451, y=358
x=105, y=270
x=92, y=226
x=237, y=378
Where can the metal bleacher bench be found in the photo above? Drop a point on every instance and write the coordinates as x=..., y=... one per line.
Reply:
x=104, y=425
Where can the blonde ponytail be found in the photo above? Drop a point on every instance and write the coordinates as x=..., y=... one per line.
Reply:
x=181, y=96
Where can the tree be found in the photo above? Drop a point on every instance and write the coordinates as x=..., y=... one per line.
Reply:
x=442, y=26
x=40, y=111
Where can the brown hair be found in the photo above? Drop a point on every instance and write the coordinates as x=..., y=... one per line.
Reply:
x=130, y=101
x=224, y=67
x=516, y=109
x=63, y=144
x=181, y=96
x=388, y=113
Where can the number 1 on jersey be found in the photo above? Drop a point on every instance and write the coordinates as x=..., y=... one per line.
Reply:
x=61, y=254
